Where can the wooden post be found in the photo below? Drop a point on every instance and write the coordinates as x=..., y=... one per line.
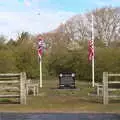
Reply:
x=27, y=90
x=105, y=88
x=37, y=89
x=98, y=89
x=23, y=88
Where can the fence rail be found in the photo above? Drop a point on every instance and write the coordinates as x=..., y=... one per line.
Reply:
x=13, y=86
x=10, y=74
x=111, y=74
x=109, y=86
x=12, y=81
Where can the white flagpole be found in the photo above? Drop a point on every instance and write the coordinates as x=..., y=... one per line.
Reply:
x=40, y=72
x=93, y=71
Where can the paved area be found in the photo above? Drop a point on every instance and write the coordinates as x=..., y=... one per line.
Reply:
x=58, y=116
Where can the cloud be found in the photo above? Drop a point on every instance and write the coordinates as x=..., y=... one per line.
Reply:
x=101, y=3
x=37, y=16
x=14, y=22
x=27, y=15
x=27, y=3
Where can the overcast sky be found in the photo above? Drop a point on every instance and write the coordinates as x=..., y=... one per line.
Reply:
x=38, y=16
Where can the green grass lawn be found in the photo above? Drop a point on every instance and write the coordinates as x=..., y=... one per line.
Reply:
x=51, y=99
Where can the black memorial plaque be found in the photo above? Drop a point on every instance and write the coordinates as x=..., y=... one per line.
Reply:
x=67, y=80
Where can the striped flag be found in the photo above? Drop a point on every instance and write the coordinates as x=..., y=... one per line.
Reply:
x=90, y=50
x=41, y=46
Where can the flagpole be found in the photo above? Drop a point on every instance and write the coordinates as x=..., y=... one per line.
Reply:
x=40, y=52
x=93, y=70
x=40, y=72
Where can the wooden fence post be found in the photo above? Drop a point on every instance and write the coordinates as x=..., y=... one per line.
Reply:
x=105, y=88
x=23, y=88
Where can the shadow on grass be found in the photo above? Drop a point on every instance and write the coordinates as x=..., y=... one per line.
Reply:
x=114, y=101
x=65, y=88
x=8, y=101
x=11, y=102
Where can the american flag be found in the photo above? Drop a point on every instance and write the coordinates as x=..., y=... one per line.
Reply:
x=90, y=50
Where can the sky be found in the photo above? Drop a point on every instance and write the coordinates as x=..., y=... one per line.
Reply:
x=40, y=16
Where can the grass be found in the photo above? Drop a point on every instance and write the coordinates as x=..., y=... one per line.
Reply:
x=5, y=100
x=51, y=99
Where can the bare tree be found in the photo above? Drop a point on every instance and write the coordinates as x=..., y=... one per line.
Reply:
x=78, y=28
x=106, y=22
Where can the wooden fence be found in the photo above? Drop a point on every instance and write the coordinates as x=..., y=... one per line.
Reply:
x=109, y=86
x=32, y=85
x=104, y=89
x=13, y=86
